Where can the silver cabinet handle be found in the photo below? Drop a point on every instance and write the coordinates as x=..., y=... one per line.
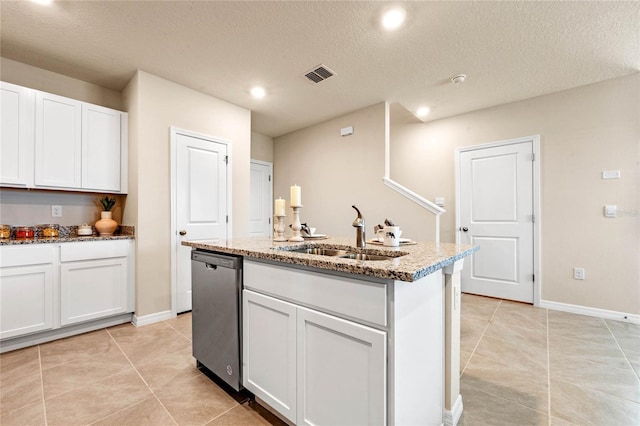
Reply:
x=183, y=232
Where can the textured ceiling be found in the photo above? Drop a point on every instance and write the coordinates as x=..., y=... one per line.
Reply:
x=509, y=50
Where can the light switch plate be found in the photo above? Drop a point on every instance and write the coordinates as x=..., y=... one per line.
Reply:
x=578, y=273
x=611, y=174
x=440, y=201
x=610, y=211
x=346, y=131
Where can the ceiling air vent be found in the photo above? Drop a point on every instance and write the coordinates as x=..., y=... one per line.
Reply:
x=319, y=73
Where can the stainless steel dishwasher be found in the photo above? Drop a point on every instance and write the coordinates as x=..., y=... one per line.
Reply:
x=216, y=302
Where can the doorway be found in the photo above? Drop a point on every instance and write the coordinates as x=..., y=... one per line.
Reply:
x=260, y=205
x=497, y=190
x=200, y=203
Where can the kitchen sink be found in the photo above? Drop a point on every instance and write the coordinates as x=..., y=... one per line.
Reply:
x=343, y=254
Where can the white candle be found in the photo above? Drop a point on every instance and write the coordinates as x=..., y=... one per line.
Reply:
x=280, y=207
x=296, y=196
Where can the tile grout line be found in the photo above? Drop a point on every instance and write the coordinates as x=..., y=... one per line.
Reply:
x=621, y=350
x=143, y=380
x=480, y=339
x=44, y=404
x=179, y=332
x=548, y=370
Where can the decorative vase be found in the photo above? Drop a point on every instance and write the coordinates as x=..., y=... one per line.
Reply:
x=106, y=225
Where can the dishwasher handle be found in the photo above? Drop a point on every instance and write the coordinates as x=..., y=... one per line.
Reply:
x=210, y=266
x=217, y=260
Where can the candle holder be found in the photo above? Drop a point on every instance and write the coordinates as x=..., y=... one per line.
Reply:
x=279, y=228
x=296, y=226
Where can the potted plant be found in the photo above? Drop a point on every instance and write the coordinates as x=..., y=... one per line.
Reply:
x=106, y=225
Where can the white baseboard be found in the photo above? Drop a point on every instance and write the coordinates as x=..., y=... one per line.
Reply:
x=151, y=318
x=451, y=418
x=592, y=312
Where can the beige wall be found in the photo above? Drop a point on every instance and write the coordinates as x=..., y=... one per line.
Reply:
x=336, y=172
x=58, y=84
x=583, y=132
x=156, y=105
x=261, y=147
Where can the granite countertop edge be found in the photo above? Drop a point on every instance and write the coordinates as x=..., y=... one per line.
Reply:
x=420, y=260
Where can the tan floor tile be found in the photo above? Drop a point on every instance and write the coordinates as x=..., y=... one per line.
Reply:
x=469, y=341
x=145, y=413
x=473, y=324
x=481, y=408
x=603, y=378
x=94, y=402
x=621, y=328
x=182, y=323
x=478, y=306
x=129, y=333
x=634, y=360
x=464, y=360
x=590, y=331
x=579, y=348
x=246, y=415
x=502, y=328
x=31, y=415
x=514, y=351
x=522, y=316
x=630, y=343
x=75, y=348
x=19, y=392
x=164, y=342
x=194, y=400
x=19, y=363
x=161, y=371
x=85, y=370
x=556, y=421
x=508, y=381
x=586, y=406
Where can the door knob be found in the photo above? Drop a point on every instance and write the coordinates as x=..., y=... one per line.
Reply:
x=183, y=232
x=465, y=229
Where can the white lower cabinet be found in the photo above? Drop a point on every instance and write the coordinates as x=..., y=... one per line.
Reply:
x=269, y=351
x=341, y=371
x=45, y=287
x=311, y=367
x=26, y=291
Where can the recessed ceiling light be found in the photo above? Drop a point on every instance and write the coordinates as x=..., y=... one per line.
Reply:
x=43, y=2
x=258, y=92
x=393, y=18
x=423, y=111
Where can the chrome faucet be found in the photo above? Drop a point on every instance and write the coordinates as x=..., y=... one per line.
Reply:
x=358, y=223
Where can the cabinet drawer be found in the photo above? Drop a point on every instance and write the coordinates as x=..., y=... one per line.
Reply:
x=32, y=254
x=346, y=297
x=70, y=252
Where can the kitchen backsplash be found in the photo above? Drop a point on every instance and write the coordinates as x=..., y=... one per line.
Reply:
x=33, y=207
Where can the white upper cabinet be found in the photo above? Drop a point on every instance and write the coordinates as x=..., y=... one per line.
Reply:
x=16, y=143
x=58, y=144
x=102, y=130
x=53, y=142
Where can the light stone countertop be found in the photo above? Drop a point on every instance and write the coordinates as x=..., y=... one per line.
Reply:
x=69, y=234
x=421, y=259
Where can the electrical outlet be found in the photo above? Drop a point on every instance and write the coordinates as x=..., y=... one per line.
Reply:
x=56, y=211
x=578, y=273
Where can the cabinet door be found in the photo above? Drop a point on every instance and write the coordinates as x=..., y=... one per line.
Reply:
x=269, y=351
x=16, y=143
x=93, y=289
x=58, y=141
x=101, y=148
x=342, y=374
x=26, y=300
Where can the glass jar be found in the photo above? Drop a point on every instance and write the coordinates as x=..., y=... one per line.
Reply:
x=51, y=230
x=5, y=232
x=22, y=232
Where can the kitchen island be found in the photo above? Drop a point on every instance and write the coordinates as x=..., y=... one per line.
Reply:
x=338, y=340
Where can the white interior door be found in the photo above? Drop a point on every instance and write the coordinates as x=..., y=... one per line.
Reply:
x=260, y=206
x=496, y=213
x=201, y=209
